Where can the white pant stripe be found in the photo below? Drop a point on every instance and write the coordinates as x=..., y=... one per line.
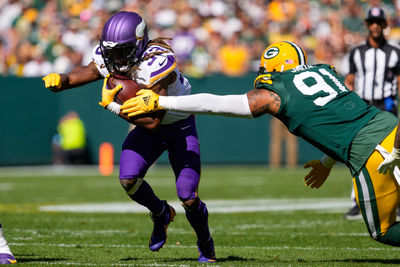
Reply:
x=367, y=205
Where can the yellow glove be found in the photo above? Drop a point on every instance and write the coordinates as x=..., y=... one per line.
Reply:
x=52, y=81
x=318, y=174
x=146, y=101
x=107, y=95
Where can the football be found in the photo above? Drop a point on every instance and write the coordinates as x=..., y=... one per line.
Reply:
x=129, y=90
x=129, y=87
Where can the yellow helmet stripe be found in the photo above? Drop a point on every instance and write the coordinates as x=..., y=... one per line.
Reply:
x=300, y=53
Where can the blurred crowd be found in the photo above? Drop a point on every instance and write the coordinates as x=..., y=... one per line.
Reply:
x=208, y=36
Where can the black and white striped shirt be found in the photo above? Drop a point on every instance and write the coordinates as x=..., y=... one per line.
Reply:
x=375, y=70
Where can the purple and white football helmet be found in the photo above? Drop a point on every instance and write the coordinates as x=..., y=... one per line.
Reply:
x=123, y=40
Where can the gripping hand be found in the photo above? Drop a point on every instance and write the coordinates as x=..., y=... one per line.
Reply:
x=390, y=162
x=107, y=95
x=318, y=174
x=146, y=101
x=52, y=81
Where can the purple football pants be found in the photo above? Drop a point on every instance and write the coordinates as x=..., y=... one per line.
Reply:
x=142, y=148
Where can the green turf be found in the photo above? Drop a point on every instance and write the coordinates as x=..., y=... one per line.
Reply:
x=278, y=238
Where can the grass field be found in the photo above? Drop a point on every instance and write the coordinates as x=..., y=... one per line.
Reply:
x=258, y=217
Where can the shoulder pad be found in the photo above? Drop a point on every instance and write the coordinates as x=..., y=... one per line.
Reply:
x=155, y=67
x=263, y=78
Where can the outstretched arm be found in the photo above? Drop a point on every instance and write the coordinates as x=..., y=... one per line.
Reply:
x=262, y=102
x=255, y=103
x=77, y=77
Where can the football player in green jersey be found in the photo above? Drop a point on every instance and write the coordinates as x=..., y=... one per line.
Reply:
x=315, y=105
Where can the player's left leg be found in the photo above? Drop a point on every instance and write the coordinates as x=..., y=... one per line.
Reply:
x=6, y=257
x=378, y=197
x=140, y=150
x=184, y=155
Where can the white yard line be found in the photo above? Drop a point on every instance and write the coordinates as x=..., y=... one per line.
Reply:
x=31, y=234
x=214, y=206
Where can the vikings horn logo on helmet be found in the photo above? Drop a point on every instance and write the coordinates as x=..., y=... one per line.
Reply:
x=140, y=30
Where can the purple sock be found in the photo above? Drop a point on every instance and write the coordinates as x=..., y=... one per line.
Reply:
x=198, y=219
x=145, y=196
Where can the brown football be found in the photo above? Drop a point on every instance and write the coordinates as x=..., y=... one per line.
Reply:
x=129, y=90
x=129, y=87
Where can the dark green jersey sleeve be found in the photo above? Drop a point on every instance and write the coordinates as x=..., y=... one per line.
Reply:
x=318, y=107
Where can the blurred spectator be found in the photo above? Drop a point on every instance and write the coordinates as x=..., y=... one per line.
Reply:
x=69, y=144
x=234, y=57
x=325, y=28
x=67, y=60
x=282, y=10
x=212, y=8
x=38, y=65
x=184, y=41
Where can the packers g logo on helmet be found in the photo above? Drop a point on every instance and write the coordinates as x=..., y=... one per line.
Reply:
x=282, y=56
x=271, y=52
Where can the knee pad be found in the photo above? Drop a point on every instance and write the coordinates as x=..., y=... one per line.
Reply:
x=133, y=187
x=192, y=207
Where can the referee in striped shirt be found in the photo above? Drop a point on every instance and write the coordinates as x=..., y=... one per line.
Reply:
x=374, y=73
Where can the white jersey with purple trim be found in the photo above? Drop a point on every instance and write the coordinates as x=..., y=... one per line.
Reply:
x=152, y=70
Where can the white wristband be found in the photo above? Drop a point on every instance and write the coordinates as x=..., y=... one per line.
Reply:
x=114, y=107
x=327, y=161
x=395, y=153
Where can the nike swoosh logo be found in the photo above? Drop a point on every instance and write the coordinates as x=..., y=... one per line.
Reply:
x=185, y=127
x=162, y=63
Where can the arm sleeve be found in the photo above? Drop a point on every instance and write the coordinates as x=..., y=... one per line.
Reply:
x=227, y=105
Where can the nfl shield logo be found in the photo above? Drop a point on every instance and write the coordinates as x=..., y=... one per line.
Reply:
x=289, y=61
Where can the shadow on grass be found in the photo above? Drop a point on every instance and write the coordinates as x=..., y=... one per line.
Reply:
x=271, y=261
x=227, y=259
x=31, y=258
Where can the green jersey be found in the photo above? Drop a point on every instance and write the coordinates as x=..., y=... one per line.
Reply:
x=318, y=107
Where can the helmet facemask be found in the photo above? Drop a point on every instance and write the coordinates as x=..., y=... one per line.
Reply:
x=118, y=58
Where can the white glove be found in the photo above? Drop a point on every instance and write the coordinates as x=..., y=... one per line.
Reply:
x=390, y=162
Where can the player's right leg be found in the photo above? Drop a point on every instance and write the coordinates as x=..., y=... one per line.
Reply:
x=6, y=257
x=139, y=151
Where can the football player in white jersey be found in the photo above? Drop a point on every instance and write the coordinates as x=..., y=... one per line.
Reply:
x=125, y=49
